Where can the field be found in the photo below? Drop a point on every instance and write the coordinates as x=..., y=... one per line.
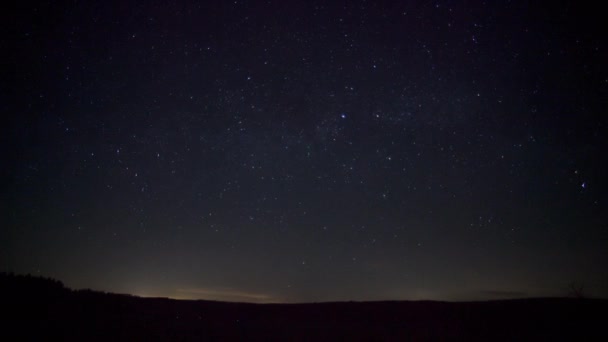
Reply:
x=43, y=309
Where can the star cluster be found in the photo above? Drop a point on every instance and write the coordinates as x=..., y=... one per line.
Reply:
x=307, y=151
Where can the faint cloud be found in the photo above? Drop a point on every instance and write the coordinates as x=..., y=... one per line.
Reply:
x=504, y=294
x=229, y=295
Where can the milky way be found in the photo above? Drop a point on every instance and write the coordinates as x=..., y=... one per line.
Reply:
x=280, y=151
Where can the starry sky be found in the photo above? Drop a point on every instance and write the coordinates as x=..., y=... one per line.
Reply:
x=283, y=151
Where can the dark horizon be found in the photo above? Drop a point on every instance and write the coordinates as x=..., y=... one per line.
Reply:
x=48, y=310
x=307, y=151
x=573, y=292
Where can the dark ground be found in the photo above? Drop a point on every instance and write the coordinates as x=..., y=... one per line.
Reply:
x=43, y=309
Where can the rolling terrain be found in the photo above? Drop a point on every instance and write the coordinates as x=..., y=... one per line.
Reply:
x=42, y=309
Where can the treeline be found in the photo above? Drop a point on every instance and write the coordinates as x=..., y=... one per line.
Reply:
x=11, y=283
x=37, y=286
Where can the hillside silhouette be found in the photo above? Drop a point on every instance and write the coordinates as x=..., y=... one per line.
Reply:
x=43, y=309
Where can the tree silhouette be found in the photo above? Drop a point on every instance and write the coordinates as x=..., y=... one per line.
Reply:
x=575, y=290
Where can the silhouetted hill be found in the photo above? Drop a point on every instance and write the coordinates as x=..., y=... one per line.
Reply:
x=43, y=309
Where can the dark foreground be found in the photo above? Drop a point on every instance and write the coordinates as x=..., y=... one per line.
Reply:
x=42, y=309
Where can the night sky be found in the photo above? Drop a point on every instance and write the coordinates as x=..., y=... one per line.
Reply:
x=281, y=151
